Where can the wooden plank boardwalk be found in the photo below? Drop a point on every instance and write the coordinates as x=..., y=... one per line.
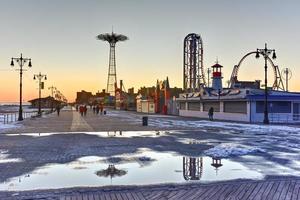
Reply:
x=283, y=189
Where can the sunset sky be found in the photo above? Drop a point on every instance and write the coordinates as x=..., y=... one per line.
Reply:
x=60, y=37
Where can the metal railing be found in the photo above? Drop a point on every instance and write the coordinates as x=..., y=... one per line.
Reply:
x=284, y=118
x=10, y=117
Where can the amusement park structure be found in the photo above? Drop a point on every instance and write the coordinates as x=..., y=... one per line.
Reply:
x=193, y=70
x=194, y=73
x=241, y=100
x=112, y=39
x=277, y=84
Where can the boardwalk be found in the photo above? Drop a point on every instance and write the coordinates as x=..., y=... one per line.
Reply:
x=273, y=189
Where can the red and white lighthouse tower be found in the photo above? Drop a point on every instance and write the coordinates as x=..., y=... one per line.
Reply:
x=217, y=77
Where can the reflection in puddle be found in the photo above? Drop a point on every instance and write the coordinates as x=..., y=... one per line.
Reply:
x=4, y=157
x=192, y=168
x=142, y=168
x=111, y=172
x=216, y=163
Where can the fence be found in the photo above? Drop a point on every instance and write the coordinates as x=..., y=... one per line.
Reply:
x=284, y=118
x=6, y=118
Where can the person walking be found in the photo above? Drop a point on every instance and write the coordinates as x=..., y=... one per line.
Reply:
x=81, y=110
x=85, y=110
x=58, y=109
x=211, y=114
x=97, y=109
x=101, y=108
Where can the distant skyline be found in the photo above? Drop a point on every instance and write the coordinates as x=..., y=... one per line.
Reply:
x=60, y=38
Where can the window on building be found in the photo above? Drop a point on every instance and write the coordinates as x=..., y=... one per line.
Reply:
x=296, y=111
x=235, y=107
x=182, y=106
x=274, y=107
x=194, y=106
x=215, y=105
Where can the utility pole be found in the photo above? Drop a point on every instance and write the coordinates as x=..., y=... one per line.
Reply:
x=41, y=86
x=21, y=61
x=288, y=75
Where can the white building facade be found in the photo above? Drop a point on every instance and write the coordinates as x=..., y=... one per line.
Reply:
x=244, y=105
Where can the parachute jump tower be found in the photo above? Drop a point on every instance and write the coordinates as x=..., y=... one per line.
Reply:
x=112, y=39
x=193, y=70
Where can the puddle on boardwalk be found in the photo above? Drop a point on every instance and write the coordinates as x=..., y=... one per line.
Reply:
x=101, y=134
x=144, y=167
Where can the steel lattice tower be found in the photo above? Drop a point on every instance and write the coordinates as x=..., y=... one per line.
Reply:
x=192, y=168
x=112, y=39
x=193, y=70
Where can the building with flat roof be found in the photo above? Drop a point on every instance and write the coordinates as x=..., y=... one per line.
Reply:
x=46, y=102
x=241, y=104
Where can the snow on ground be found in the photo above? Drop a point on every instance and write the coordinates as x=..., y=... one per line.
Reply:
x=3, y=157
x=165, y=122
x=8, y=126
x=231, y=150
x=224, y=125
x=247, y=139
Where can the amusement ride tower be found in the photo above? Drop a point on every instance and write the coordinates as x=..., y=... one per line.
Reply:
x=193, y=69
x=112, y=39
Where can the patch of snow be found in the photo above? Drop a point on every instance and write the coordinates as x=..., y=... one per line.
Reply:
x=8, y=126
x=4, y=159
x=231, y=150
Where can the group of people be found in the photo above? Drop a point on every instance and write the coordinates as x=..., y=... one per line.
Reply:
x=98, y=109
x=82, y=109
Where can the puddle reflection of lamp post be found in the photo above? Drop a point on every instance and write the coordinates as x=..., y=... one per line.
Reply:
x=111, y=172
x=216, y=162
x=192, y=168
x=21, y=61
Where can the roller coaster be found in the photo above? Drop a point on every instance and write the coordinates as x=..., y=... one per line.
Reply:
x=278, y=83
x=193, y=70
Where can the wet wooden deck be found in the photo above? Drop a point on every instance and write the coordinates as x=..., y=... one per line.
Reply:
x=272, y=189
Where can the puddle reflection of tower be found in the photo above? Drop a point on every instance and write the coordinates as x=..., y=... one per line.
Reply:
x=111, y=172
x=192, y=168
x=216, y=162
x=112, y=39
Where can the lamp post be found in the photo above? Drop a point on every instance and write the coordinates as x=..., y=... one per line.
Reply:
x=21, y=61
x=41, y=86
x=266, y=52
x=53, y=89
